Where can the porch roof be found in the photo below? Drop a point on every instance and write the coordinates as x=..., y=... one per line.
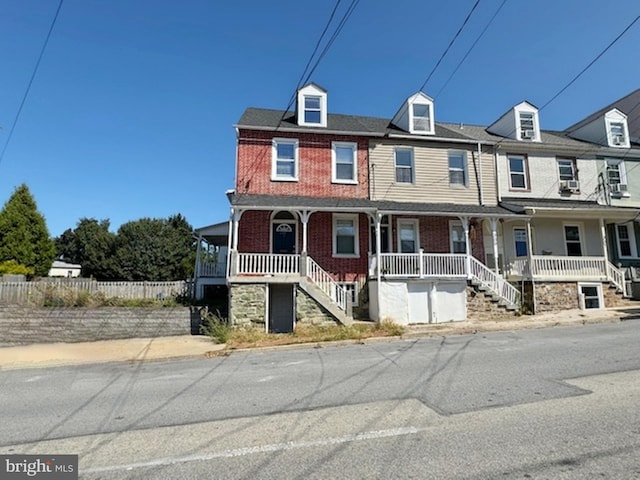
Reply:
x=217, y=234
x=275, y=202
x=568, y=208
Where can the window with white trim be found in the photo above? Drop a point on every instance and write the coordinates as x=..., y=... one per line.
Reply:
x=527, y=126
x=617, y=134
x=520, y=242
x=518, y=174
x=572, y=240
x=567, y=169
x=457, y=238
x=625, y=238
x=404, y=165
x=345, y=236
x=284, y=159
x=458, y=169
x=312, y=109
x=344, y=162
x=408, y=239
x=421, y=117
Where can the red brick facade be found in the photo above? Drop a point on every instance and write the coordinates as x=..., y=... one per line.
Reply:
x=254, y=165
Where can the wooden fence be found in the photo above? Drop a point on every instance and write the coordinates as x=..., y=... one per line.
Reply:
x=36, y=293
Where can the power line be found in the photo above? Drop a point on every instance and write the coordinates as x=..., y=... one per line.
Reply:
x=450, y=44
x=33, y=75
x=455, y=70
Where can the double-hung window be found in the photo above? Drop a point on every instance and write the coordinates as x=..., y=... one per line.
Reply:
x=572, y=240
x=345, y=236
x=626, y=241
x=617, y=132
x=408, y=241
x=458, y=240
x=404, y=165
x=284, y=159
x=312, y=109
x=458, y=169
x=518, y=172
x=527, y=126
x=421, y=117
x=566, y=169
x=344, y=165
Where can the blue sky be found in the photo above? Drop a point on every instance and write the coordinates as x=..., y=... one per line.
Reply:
x=132, y=110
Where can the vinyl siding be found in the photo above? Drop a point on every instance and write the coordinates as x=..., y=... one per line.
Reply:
x=431, y=174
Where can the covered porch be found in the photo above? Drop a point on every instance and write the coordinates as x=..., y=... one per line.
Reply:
x=210, y=269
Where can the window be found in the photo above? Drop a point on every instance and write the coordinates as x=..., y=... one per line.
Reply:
x=518, y=172
x=408, y=236
x=572, y=240
x=312, y=109
x=421, y=117
x=404, y=165
x=285, y=159
x=626, y=241
x=566, y=169
x=592, y=293
x=527, y=126
x=617, y=132
x=520, y=240
x=344, y=166
x=456, y=235
x=458, y=168
x=345, y=236
x=384, y=236
x=616, y=175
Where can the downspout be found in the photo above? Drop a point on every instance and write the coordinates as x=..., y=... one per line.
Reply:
x=480, y=174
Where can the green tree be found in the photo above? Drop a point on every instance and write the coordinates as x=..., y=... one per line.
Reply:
x=91, y=245
x=155, y=249
x=24, y=237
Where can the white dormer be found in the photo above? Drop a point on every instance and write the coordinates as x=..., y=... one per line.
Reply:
x=416, y=115
x=312, y=106
x=609, y=130
x=519, y=123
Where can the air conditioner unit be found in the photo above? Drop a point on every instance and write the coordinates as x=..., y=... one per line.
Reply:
x=570, y=185
x=617, y=140
x=619, y=188
x=528, y=133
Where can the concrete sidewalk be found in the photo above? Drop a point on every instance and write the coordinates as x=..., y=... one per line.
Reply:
x=186, y=346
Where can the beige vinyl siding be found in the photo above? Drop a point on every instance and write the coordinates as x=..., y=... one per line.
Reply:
x=431, y=174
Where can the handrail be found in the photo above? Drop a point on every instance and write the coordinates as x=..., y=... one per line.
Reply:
x=329, y=286
x=495, y=283
x=616, y=276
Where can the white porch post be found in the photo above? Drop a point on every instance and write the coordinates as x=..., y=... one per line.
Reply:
x=467, y=244
x=197, y=270
x=493, y=223
x=530, y=250
x=378, y=272
x=232, y=261
x=304, y=218
x=603, y=232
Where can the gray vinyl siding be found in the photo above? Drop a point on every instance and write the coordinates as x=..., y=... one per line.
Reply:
x=431, y=174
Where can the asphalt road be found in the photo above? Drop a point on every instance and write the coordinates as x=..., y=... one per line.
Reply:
x=553, y=403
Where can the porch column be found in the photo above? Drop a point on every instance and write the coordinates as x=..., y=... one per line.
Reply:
x=304, y=218
x=232, y=260
x=197, y=270
x=467, y=244
x=493, y=223
x=530, y=250
x=603, y=232
x=378, y=270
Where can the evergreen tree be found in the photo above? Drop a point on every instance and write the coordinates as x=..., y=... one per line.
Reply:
x=24, y=237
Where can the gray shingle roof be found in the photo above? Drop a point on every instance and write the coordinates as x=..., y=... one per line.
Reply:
x=518, y=205
x=354, y=204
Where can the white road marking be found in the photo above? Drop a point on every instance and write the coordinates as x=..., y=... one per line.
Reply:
x=276, y=447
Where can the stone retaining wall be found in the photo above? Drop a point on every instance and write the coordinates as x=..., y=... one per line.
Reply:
x=24, y=325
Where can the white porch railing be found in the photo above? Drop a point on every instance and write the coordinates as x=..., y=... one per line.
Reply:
x=212, y=269
x=547, y=267
x=496, y=284
x=419, y=265
x=267, y=264
x=323, y=280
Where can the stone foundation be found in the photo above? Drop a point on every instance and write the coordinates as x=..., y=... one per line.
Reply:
x=247, y=304
x=311, y=312
x=554, y=296
x=481, y=307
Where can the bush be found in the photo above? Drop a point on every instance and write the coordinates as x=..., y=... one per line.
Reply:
x=11, y=267
x=216, y=327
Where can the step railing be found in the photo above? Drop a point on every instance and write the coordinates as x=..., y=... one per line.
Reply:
x=494, y=283
x=616, y=276
x=337, y=293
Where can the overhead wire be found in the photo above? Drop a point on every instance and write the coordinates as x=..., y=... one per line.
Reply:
x=33, y=76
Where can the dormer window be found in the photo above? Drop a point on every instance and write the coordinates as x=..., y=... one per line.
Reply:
x=617, y=133
x=527, y=126
x=421, y=118
x=312, y=106
x=312, y=109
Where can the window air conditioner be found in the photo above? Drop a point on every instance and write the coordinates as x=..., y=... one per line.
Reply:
x=617, y=140
x=618, y=188
x=527, y=133
x=570, y=185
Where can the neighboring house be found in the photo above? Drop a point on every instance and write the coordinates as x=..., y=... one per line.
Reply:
x=64, y=269
x=210, y=272
x=336, y=217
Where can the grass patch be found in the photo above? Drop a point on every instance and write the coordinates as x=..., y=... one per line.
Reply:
x=66, y=297
x=250, y=336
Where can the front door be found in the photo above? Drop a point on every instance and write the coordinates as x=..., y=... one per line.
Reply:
x=283, y=237
x=281, y=308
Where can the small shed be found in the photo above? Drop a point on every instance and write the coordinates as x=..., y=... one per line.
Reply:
x=64, y=269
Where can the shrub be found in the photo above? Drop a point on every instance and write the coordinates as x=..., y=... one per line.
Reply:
x=11, y=267
x=216, y=327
